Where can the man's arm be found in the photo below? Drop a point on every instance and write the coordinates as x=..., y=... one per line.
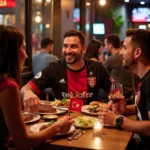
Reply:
x=26, y=92
x=130, y=109
x=141, y=127
x=30, y=100
x=121, y=107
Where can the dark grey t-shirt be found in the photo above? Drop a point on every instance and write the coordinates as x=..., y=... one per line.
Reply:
x=124, y=76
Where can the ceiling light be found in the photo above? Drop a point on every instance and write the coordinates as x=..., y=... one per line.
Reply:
x=142, y=2
x=38, y=1
x=38, y=19
x=127, y=1
x=48, y=1
x=87, y=4
x=47, y=25
x=102, y=2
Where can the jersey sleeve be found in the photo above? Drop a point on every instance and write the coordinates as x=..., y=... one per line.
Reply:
x=42, y=80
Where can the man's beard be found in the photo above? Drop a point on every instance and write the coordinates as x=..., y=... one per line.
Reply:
x=74, y=58
x=128, y=64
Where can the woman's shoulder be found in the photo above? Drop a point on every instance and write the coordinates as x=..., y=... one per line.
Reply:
x=7, y=83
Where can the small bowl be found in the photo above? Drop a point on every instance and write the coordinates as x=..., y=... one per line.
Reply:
x=50, y=117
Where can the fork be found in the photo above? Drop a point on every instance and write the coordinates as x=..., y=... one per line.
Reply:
x=80, y=134
x=74, y=134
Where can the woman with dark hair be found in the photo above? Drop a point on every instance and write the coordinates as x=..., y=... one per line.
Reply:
x=94, y=50
x=12, y=57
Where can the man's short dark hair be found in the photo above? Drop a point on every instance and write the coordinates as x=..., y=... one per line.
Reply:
x=45, y=42
x=113, y=39
x=140, y=38
x=77, y=33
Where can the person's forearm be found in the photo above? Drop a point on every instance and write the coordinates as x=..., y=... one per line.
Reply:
x=25, y=89
x=141, y=127
x=31, y=140
x=130, y=109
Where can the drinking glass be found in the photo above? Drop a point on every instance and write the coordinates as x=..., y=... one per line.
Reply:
x=116, y=89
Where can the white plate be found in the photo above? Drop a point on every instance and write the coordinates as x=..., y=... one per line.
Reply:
x=86, y=111
x=63, y=108
x=55, y=113
x=35, y=128
x=50, y=117
x=83, y=127
x=89, y=127
x=36, y=117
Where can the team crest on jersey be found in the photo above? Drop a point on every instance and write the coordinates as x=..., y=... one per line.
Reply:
x=91, y=81
x=38, y=75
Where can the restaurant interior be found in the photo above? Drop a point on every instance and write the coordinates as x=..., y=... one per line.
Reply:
x=95, y=18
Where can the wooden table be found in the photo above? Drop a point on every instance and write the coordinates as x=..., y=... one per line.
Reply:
x=112, y=139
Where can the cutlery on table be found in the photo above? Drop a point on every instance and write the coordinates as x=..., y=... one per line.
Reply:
x=80, y=134
x=74, y=134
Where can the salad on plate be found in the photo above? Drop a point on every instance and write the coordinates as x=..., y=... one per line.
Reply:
x=84, y=121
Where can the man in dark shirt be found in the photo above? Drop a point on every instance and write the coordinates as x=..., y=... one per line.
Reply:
x=136, y=55
x=113, y=65
x=76, y=78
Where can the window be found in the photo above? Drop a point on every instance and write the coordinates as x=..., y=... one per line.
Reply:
x=41, y=22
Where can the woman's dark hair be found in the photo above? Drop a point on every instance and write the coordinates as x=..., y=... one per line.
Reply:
x=11, y=40
x=92, y=49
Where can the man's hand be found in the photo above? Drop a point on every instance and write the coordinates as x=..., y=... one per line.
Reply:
x=31, y=102
x=107, y=116
x=31, y=105
x=118, y=108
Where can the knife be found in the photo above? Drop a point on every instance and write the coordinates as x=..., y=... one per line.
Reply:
x=74, y=134
x=80, y=134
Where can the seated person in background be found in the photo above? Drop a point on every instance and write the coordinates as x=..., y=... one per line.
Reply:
x=114, y=67
x=94, y=49
x=41, y=60
x=105, y=53
x=94, y=52
x=136, y=55
x=76, y=78
x=44, y=57
x=12, y=57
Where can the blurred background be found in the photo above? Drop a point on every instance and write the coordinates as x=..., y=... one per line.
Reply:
x=52, y=18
